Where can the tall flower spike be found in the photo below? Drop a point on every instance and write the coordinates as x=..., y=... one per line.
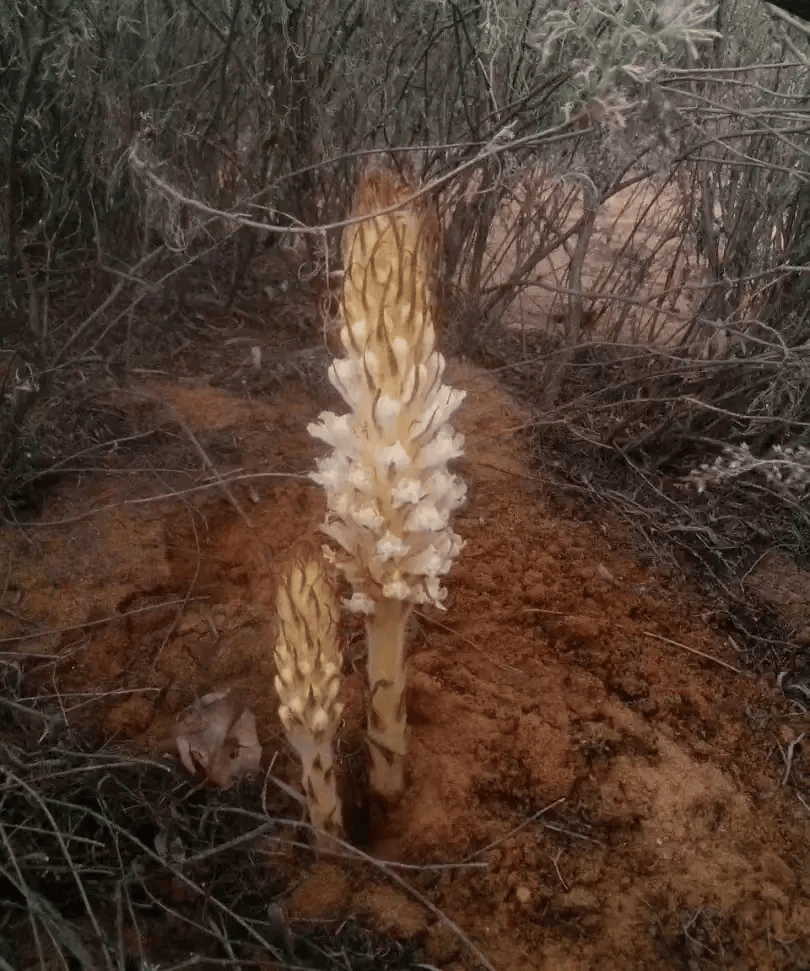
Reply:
x=389, y=492
x=308, y=681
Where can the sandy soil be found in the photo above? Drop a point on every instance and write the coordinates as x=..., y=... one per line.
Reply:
x=637, y=259
x=572, y=727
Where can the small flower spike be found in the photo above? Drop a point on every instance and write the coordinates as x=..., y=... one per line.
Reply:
x=308, y=680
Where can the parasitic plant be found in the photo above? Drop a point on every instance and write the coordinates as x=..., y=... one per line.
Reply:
x=308, y=663
x=389, y=491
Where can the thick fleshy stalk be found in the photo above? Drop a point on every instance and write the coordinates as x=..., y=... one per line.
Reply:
x=308, y=663
x=389, y=491
x=387, y=727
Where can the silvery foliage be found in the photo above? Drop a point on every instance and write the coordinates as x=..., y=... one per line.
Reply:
x=786, y=469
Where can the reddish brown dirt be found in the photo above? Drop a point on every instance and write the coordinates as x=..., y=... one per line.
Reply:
x=560, y=676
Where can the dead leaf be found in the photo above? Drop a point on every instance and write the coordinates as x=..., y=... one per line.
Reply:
x=604, y=574
x=217, y=736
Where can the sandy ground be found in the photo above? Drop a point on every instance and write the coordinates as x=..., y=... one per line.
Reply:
x=572, y=727
x=646, y=273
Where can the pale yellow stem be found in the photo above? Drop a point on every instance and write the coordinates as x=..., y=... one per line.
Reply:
x=385, y=635
x=318, y=777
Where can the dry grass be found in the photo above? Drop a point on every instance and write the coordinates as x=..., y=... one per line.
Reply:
x=116, y=861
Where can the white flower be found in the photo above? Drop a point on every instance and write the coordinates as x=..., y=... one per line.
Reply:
x=443, y=447
x=361, y=478
x=332, y=472
x=407, y=491
x=368, y=517
x=397, y=589
x=359, y=603
x=335, y=430
x=391, y=547
x=445, y=490
x=425, y=517
x=435, y=592
x=429, y=562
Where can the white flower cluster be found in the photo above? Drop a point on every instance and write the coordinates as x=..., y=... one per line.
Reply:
x=786, y=469
x=388, y=489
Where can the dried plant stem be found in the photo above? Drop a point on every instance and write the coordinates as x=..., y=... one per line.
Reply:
x=385, y=634
x=693, y=650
